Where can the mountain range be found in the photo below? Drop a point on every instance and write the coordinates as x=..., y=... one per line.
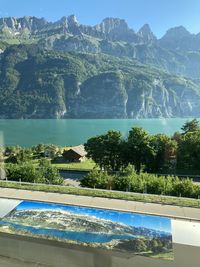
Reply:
x=66, y=69
x=78, y=223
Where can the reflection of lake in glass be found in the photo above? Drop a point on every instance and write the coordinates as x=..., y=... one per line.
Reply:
x=122, y=231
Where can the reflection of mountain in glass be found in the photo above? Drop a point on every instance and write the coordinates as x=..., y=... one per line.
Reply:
x=89, y=227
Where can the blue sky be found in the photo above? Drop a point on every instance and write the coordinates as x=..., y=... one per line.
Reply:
x=160, y=14
x=137, y=220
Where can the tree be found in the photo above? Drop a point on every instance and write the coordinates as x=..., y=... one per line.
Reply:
x=50, y=151
x=23, y=155
x=12, y=150
x=105, y=150
x=164, y=154
x=124, y=181
x=190, y=126
x=188, y=154
x=38, y=150
x=45, y=150
x=177, y=136
x=50, y=173
x=139, y=147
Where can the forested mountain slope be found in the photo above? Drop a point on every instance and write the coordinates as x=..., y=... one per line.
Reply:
x=41, y=83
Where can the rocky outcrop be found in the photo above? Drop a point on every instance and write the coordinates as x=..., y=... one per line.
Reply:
x=110, y=28
x=161, y=99
x=32, y=24
x=115, y=29
x=147, y=35
x=174, y=62
x=102, y=96
x=179, y=39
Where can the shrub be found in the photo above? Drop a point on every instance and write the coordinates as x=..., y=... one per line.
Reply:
x=27, y=172
x=96, y=179
x=183, y=188
x=24, y=172
x=142, y=183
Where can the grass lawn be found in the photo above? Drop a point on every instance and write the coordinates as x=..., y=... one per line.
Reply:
x=183, y=202
x=87, y=165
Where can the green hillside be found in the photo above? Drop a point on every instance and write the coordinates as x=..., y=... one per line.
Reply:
x=39, y=83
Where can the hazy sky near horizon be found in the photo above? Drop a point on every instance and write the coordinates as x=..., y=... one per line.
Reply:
x=160, y=14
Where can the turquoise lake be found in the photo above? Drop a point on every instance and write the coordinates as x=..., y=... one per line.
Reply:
x=73, y=132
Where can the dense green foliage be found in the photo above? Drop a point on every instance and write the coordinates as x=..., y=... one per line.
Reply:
x=188, y=156
x=190, y=126
x=145, y=246
x=142, y=183
x=139, y=147
x=104, y=193
x=163, y=157
x=105, y=150
x=154, y=153
x=28, y=172
x=21, y=165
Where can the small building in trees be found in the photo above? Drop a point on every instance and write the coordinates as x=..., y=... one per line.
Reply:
x=75, y=154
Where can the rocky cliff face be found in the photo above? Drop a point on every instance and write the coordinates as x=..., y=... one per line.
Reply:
x=48, y=84
x=117, y=30
x=16, y=25
x=93, y=101
x=155, y=100
x=161, y=99
x=147, y=35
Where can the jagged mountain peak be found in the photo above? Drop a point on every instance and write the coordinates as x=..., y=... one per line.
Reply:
x=145, y=29
x=109, y=24
x=180, y=39
x=72, y=19
x=69, y=35
x=115, y=21
x=146, y=33
x=68, y=19
x=179, y=31
x=27, y=22
x=117, y=29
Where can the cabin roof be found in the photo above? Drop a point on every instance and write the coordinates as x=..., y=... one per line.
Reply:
x=80, y=150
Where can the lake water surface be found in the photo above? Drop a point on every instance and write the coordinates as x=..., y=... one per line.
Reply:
x=73, y=132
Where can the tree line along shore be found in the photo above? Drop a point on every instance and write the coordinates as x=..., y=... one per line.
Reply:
x=117, y=163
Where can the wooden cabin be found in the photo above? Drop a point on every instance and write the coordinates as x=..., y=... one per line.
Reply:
x=75, y=154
